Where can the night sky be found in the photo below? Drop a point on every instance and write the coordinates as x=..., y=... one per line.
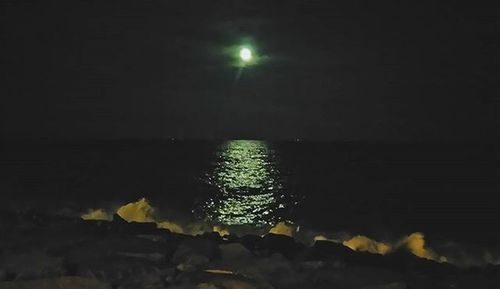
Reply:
x=330, y=70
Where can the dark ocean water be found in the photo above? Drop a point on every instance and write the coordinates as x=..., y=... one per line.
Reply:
x=360, y=187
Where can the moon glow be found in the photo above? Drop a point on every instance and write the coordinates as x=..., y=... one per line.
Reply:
x=246, y=54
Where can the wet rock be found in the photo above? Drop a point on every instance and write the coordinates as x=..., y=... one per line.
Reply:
x=61, y=282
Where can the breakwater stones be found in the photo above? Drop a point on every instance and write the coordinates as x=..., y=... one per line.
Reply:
x=41, y=251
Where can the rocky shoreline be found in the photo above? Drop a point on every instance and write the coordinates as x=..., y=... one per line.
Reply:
x=46, y=251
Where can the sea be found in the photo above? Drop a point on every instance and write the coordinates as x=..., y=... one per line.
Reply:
x=372, y=188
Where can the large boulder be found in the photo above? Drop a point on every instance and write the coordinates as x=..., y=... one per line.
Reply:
x=234, y=252
x=273, y=243
x=250, y=242
x=133, y=228
x=194, y=253
x=277, y=270
x=326, y=250
x=235, y=257
x=197, y=245
x=113, y=258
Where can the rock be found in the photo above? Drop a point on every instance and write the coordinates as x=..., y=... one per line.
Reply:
x=352, y=276
x=169, y=275
x=154, y=238
x=250, y=241
x=93, y=227
x=196, y=246
x=403, y=261
x=116, y=258
x=287, y=246
x=326, y=250
x=234, y=256
x=121, y=225
x=118, y=220
x=138, y=255
x=206, y=286
x=147, y=280
x=192, y=262
x=389, y=286
x=197, y=280
x=237, y=284
x=278, y=271
x=136, y=228
x=36, y=264
x=153, y=257
x=194, y=253
x=212, y=236
x=110, y=245
x=310, y=265
x=234, y=252
x=61, y=282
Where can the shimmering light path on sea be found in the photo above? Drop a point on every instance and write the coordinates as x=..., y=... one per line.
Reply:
x=247, y=182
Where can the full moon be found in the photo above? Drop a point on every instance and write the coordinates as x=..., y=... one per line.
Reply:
x=245, y=54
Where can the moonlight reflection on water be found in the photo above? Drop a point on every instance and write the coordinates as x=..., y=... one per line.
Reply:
x=247, y=182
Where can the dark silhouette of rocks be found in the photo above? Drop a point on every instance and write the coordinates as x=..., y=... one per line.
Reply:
x=286, y=246
x=42, y=251
x=72, y=282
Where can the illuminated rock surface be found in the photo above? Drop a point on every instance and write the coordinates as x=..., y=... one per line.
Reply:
x=39, y=251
